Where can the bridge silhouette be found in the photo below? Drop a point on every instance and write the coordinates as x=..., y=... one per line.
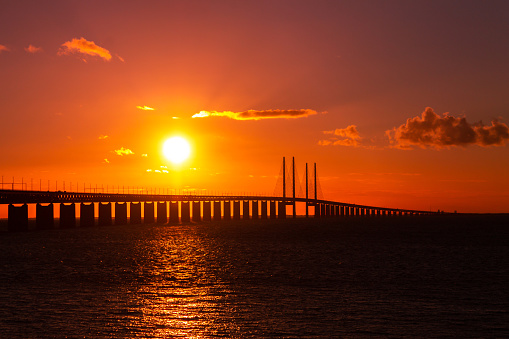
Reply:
x=181, y=207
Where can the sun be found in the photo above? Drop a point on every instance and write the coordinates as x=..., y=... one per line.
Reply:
x=176, y=149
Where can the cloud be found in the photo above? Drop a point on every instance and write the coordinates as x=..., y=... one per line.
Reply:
x=85, y=47
x=145, y=108
x=144, y=155
x=258, y=115
x=349, y=134
x=4, y=49
x=33, y=49
x=123, y=151
x=106, y=161
x=102, y=137
x=432, y=130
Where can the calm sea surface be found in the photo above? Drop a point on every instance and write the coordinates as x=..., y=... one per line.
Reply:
x=433, y=277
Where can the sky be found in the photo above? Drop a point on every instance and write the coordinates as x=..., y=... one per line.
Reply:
x=400, y=104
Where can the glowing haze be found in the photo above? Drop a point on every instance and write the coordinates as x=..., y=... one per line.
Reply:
x=400, y=103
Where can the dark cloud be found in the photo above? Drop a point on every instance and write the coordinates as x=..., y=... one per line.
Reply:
x=432, y=130
x=349, y=134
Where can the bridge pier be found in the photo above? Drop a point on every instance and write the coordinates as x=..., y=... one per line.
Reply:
x=105, y=214
x=196, y=211
x=135, y=213
x=87, y=215
x=227, y=210
x=120, y=213
x=317, y=210
x=254, y=209
x=67, y=216
x=328, y=210
x=323, y=209
x=174, y=211
x=148, y=212
x=44, y=217
x=17, y=218
x=206, y=211
x=264, y=209
x=162, y=212
x=217, y=210
x=273, y=214
x=245, y=210
x=236, y=210
x=281, y=213
x=185, y=211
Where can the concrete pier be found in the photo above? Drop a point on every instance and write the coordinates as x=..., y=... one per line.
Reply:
x=196, y=211
x=236, y=210
x=323, y=213
x=174, y=211
x=17, y=218
x=264, y=214
x=281, y=210
x=67, y=216
x=185, y=211
x=254, y=209
x=44, y=217
x=120, y=213
x=87, y=215
x=135, y=213
x=273, y=214
x=245, y=209
x=105, y=214
x=162, y=212
x=227, y=210
x=207, y=211
x=217, y=210
x=148, y=212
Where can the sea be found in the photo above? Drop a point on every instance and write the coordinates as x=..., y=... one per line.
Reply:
x=394, y=277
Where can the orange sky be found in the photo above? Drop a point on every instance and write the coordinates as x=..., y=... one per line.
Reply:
x=386, y=97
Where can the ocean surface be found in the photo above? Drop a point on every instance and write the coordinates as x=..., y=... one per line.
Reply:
x=442, y=276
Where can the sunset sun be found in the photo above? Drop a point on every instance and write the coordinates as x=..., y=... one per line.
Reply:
x=176, y=149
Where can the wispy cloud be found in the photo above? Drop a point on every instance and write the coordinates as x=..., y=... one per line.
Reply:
x=258, y=115
x=144, y=155
x=123, y=151
x=4, y=49
x=432, y=130
x=350, y=137
x=106, y=161
x=102, y=137
x=145, y=108
x=84, y=46
x=32, y=49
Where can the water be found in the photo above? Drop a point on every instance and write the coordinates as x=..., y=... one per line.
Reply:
x=280, y=279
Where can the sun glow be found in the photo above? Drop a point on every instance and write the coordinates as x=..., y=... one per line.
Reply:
x=176, y=149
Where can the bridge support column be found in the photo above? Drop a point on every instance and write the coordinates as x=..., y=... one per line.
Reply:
x=44, y=217
x=323, y=212
x=206, y=211
x=196, y=211
x=120, y=213
x=318, y=209
x=217, y=210
x=135, y=213
x=185, y=213
x=67, y=216
x=245, y=209
x=328, y=210
x=363, y=211
x=174, y=211
x=273, y=214
x=162, y=212
x=148, y=212
x=87, y=215
x=281, y=209
x=236, y=210
x=227, y=210
x=17, y=218
x=342, y=211
x=336, y=211
x=254, y=209
x=263, y=209
x=384, y=213
x=105, y=214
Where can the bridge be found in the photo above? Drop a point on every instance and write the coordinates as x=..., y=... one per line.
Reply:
x=161, y=208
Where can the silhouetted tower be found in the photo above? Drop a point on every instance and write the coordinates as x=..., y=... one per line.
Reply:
x=316, y=196
x=307, y=189
x=284, y=178
x=293, y=183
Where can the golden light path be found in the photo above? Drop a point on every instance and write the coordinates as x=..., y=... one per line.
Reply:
x=176, y=150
